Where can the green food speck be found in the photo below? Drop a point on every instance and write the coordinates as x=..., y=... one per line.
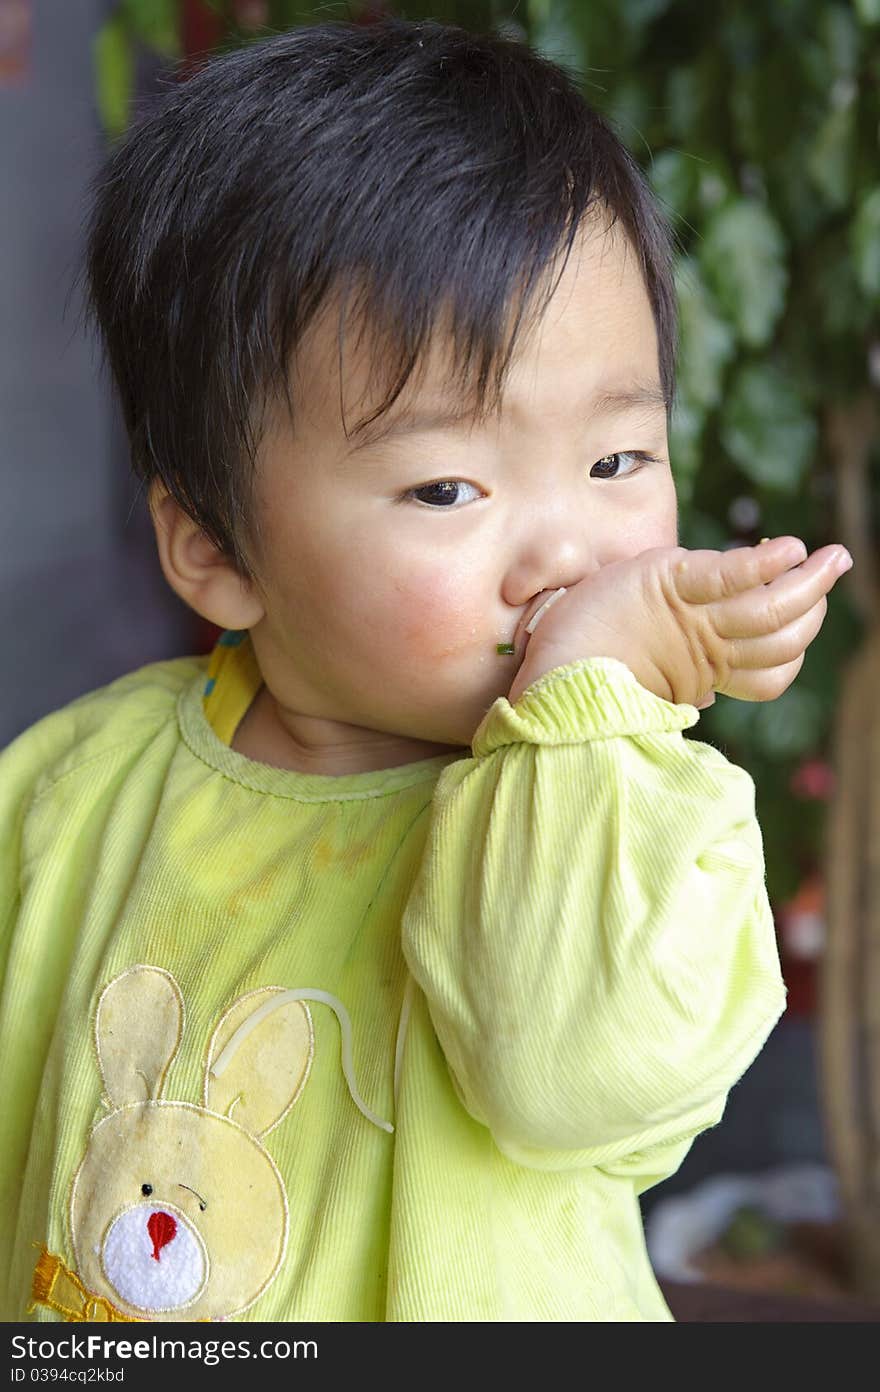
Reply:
x=504, y=648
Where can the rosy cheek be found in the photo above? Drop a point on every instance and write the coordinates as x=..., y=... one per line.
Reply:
x=436, y=623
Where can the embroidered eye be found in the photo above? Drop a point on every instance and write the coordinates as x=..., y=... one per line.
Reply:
x=146, y=1190
x=203, y=1203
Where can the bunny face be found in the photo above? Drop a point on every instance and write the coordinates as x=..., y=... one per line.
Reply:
x=177, y=1213
x=177, y=1210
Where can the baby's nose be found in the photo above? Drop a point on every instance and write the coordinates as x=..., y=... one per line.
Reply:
x=162, y=1229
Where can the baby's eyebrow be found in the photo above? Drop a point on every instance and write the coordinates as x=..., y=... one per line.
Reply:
x=606, y=401
x=408, y=423
x=611, y=400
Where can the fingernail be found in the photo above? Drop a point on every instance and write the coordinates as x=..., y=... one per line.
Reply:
x=844, y=563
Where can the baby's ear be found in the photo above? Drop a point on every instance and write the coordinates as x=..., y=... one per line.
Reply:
x=197, y=570
x=138, y=1025
x=259, y=1059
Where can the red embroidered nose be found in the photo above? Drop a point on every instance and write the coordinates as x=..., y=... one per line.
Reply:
x=161, y=1227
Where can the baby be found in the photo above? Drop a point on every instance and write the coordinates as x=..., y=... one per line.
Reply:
x=371, y=969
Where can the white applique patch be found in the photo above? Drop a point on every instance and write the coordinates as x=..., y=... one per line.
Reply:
x=155, y=1258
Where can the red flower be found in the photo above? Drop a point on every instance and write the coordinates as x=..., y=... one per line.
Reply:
x=814, y=779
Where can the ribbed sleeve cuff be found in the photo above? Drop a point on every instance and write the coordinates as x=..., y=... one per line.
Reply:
x=594, y=698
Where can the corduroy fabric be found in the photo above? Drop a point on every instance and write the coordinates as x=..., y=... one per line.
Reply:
x=581, y=904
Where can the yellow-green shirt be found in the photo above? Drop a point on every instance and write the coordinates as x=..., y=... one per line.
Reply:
x=391, y=1046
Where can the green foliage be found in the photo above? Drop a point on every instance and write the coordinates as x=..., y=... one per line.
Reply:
x=865, y=242
x=152, y=24
x=155, y=23
x=708, y=340
x=757, y=128
x=743, y=259
x=114, y=74
x=766, y=427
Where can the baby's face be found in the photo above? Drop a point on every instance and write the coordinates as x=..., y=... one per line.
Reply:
x=391, y=571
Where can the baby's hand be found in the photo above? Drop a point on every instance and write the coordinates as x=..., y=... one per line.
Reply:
x=689, y=623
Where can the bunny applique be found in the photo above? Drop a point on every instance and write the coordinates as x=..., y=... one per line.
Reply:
x=149, y=1212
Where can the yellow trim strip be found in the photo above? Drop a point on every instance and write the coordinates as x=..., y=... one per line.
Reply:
x=233, y=680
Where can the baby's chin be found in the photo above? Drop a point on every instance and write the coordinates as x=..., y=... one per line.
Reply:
x=441, y=704
x=456, y=727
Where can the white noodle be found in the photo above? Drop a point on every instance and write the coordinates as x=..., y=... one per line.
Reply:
x=533, y=621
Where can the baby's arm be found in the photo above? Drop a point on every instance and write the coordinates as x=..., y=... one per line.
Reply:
x=591, y=928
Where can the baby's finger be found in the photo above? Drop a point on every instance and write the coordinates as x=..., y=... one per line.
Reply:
x=772, y=607
x=706, y=577
x=779, y=648
x=762, y=685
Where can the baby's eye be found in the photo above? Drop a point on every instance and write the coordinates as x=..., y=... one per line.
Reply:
x=607, y=461
x=444, y=492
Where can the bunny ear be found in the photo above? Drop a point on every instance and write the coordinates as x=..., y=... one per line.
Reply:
x=262, y=1073
x=138, y=1025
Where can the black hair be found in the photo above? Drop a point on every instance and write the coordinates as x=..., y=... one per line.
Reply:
x=423, y=168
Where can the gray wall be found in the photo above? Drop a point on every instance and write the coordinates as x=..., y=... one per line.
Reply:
x=82, y=599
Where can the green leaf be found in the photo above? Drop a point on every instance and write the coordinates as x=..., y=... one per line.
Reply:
x=865, y=241
x=841, y=37
x=707, y=342
x=628, y=107
x=685, y=445
x=836, y=302
x=766, y=429
x=790, y=725
x=674, y=177
x=155, y=23
x=684, y=101
x=830, y=161
x=554, y=35
x=765, y=119
x=604, y=38
x=640, y=12
x=733, y=721
x=792, y=19
x=868, y=11
x=743, y=259
x=791, y=196
x=741, y=37
x=114, y=74
x=815, y=64
x=789, y=514
x=715, y=186
x=695, y=100
x=702, y=532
